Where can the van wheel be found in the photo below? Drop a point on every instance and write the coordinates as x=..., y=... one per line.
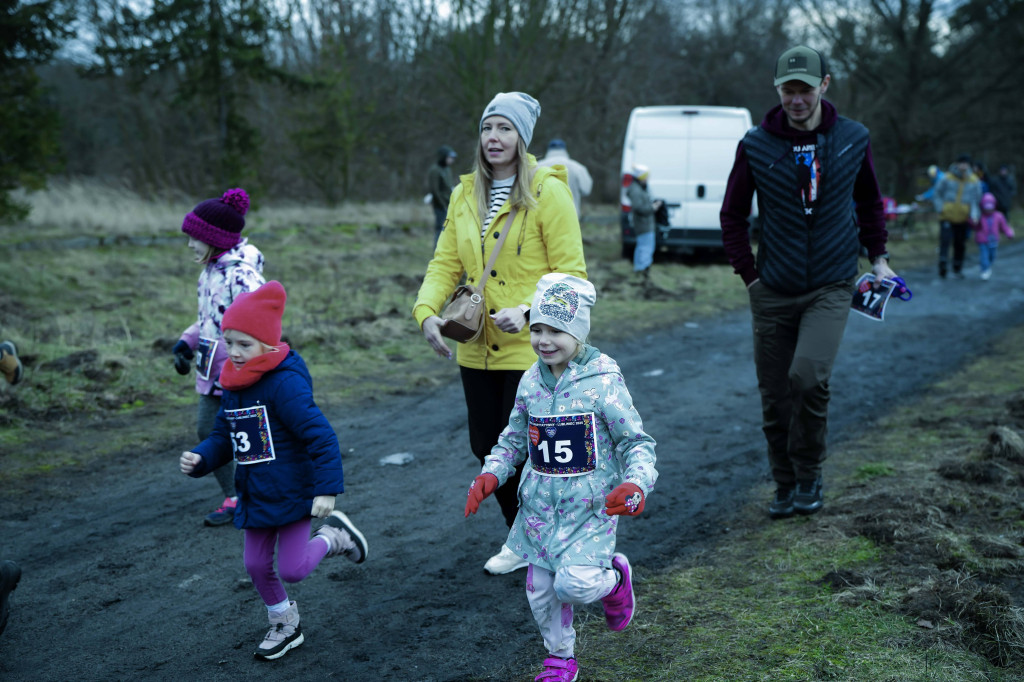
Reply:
x=627, y=251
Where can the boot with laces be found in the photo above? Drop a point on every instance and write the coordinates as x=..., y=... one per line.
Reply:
x=809, y=496
x=782, y=506
x=558, y=670
x=343, y=538
x=284, y=635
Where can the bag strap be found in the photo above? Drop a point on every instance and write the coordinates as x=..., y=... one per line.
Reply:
x=497, y=247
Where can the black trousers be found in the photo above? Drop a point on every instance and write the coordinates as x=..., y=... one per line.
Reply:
x=490, y=397
x=955, y=234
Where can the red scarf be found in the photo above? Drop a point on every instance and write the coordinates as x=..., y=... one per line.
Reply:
x=252, y=371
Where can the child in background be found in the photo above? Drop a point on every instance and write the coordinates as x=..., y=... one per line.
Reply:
x=289, y=462
x=588, y=461
x=990, y=225
x=231, y=266
x=10, y=363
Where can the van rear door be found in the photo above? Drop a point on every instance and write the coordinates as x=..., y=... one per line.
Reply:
x=713, y=137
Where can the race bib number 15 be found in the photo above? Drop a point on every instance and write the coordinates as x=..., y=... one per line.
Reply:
x=563, y=445
x=250, y=435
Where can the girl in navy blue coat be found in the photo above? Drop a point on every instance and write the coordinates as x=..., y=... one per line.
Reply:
x=288, y=461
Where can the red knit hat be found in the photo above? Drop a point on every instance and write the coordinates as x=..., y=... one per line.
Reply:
x=258, y=313
x=219, y=222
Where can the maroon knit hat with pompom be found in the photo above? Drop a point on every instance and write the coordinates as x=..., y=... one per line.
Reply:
x=219, y=222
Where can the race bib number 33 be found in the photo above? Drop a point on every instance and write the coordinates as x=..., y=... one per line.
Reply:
x=563, y=445
x=251, y=441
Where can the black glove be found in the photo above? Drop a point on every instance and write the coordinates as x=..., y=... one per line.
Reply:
x=182, y=357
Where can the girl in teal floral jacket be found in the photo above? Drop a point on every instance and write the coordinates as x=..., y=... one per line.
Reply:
x=587, y=461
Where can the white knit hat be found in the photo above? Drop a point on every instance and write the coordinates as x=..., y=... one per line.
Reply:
x=564, y=302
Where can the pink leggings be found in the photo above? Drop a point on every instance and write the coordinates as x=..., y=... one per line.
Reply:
x=297, y=556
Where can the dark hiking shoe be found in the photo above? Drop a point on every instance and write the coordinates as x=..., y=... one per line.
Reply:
x=809, y=496
x=782, y=506
x=222, y=515
x=10, y=574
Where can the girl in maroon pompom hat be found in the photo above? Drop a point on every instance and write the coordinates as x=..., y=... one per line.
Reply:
x=231, y=266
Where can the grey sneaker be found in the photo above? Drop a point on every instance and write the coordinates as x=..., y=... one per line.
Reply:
x=782, y=506
x=343, y=537
x=284, y=635
x=809, y=496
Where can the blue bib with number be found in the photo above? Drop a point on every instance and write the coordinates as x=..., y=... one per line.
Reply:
x=205, y=351
x=563, y=445
x=250, y=434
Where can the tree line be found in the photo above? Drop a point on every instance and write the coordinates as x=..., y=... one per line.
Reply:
x=327, y=101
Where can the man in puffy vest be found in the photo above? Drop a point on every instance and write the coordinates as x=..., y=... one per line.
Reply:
x=819, y=203
x=957, y=201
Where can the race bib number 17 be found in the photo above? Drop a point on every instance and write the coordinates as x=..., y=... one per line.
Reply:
x=251, y=441
x=563, y=445
x=870, y=301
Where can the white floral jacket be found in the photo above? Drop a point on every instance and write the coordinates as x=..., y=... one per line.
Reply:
x=561, y=520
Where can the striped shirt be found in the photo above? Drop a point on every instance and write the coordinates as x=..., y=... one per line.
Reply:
x=500, y=190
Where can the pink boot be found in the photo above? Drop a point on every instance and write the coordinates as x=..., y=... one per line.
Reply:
x=619, y=605
x=558, y=670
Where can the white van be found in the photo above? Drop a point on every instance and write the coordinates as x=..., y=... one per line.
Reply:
x=690, y=151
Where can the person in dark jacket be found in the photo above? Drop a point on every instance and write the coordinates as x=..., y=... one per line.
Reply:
x=439, y=185
x=1003, y=186
x=809, y=166
x=288, y=461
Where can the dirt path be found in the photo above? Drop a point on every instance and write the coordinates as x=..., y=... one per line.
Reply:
x=121, y=581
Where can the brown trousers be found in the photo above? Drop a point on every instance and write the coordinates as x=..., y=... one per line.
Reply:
x=796, y=338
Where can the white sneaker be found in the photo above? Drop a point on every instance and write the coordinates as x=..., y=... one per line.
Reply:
x=985, y=274
x=504, y=562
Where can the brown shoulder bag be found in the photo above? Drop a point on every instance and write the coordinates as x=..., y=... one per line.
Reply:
x=463, y=312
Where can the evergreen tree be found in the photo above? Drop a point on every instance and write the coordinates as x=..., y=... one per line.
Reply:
x=32, y=32
x=215, y=51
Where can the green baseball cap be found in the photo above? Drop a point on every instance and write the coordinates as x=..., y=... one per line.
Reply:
x=801, y=63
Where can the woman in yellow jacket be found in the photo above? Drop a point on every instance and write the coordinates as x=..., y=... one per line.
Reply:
x=544, y=238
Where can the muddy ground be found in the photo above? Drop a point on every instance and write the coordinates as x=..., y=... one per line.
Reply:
x=122, y=581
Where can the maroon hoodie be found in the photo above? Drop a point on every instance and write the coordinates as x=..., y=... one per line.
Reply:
x=739, y=192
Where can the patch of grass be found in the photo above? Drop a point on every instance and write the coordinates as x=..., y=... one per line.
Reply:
x=866, y=472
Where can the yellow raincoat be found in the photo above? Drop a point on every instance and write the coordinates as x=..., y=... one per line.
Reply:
x=544, y=239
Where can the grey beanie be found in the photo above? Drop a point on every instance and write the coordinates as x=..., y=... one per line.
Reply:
x=517, y=107
x=564, y=302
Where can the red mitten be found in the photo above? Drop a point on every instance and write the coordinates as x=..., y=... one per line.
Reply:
x=626, y=499
x=481, y=487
